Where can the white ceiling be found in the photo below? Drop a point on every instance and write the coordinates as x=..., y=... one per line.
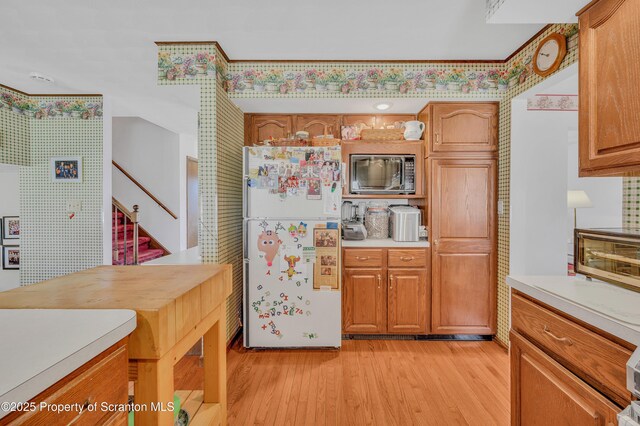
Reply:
x=538, y=11
x=91, y=46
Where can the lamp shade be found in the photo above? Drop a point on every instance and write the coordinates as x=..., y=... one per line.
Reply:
x=578, y=199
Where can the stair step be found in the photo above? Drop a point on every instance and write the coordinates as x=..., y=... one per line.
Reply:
x=142, y=241
x=143, y=256
x=120, y=229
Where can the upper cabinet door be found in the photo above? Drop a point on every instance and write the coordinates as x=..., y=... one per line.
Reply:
x=609, y=111
x=267, y=126
x=318, y=125
x=460, y=127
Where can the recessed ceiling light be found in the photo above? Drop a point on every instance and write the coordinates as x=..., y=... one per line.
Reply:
x=41, y=78
x=383, y=106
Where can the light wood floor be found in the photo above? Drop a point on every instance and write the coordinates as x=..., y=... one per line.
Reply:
x=393, y=382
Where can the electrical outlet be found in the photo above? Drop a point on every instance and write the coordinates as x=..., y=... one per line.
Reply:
x=500, y=207
x=74, y=206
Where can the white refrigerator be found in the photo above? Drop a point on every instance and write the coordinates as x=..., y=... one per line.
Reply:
x=292, y=201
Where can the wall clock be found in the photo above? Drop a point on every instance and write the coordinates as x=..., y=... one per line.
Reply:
x=549, y=54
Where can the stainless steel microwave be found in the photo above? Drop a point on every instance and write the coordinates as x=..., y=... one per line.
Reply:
x=382, y=174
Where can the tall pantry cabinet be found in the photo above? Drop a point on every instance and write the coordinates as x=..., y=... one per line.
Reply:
x=461, y=146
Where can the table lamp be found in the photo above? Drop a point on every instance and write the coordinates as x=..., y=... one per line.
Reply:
x=577, y=200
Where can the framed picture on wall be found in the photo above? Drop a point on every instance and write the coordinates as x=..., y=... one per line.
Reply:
x=10, y=227
x=66, y=169
x=11, y=257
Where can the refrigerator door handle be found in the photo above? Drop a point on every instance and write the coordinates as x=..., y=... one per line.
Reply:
x=245, y=304
x=245, y=196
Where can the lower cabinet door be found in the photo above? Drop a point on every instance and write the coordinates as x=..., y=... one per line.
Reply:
x=545, y=393
x=364, y=300
x=407, y=301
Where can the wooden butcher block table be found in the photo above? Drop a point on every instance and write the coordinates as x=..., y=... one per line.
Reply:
x=175, y=305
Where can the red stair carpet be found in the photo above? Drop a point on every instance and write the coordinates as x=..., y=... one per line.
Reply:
x=145, y=253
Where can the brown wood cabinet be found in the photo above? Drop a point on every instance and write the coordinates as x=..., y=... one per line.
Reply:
x=259, y=127
x=104, y=379
x=407, y=304
x=564, y=371
x=317, y=125
x=364, y=300
x=463, y=234
x=267, y=126
x=462, y=127
x=609, y=129
x=544, y=392
x=380, y=300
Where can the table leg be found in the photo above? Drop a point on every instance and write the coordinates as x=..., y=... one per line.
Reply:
x=215, y=364
x=154, y=386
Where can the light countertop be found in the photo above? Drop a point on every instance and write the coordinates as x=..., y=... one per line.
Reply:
x=41, y=346
x=605, y=306
x=186, y=257
x=386, y=242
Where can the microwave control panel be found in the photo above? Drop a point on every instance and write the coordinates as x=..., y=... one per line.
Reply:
x=409, y=175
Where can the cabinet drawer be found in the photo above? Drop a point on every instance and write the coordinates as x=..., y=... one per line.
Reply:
x=362, y=258
x=106, y=381
x=407, y=258
x=595, y=358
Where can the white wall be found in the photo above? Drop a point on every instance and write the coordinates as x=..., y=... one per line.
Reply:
x=9, y=206
x=539, y=162
x=188, y=148
x=544, y=165
x=156, y=158
x=605, y=194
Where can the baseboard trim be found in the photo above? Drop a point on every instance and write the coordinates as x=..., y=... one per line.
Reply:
x=436, y=337
x=501, y=344
x=234, y=339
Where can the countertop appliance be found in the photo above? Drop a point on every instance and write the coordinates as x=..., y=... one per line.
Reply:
x=405, y=223
x=354, y=230
x=382, y=174
x=609, y=254
x=292, y=202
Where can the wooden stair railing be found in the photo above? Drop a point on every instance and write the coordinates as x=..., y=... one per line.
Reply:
x=133, y=218
x=145, y=190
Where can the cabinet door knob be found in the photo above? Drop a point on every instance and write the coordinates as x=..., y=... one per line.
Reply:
x=437, y=138
x=362, y=258
x=435, y=242
x=390, y=282
x=379, y=281
x=407, y=258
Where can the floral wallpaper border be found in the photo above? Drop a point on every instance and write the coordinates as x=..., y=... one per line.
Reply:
x=295, y=79
x=32, y=107
x=176, y=66
x=553, y=103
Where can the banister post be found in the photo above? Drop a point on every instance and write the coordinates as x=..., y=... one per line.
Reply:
x=134, y=220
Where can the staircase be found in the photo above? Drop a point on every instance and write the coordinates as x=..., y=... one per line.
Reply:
x=127, y=234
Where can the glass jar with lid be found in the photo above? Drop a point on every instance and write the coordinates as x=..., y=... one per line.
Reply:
x=376, y=220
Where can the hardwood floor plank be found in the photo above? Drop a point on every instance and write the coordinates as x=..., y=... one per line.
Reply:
x=367, y=382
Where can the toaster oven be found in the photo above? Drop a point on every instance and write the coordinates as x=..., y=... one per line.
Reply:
x=609, y=254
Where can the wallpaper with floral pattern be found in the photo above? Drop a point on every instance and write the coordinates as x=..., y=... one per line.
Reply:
x=322, y=79
x=33, y=107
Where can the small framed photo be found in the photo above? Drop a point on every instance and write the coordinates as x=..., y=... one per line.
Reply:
x=10, y=227
x=66, y=169
x=11, y=257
